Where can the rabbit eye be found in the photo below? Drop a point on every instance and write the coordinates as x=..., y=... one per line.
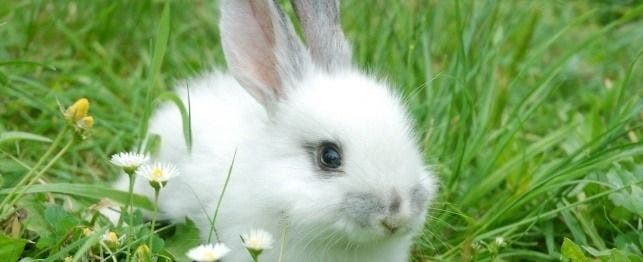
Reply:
x=330, y=156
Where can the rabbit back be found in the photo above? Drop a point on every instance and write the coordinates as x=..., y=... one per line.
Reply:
x=223, y=119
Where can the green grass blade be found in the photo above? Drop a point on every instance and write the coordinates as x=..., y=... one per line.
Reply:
x=19, y=135
x=160, y=47
x=89, y=191
x=185, y=114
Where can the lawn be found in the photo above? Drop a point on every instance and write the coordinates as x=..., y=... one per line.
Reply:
x=529, y=112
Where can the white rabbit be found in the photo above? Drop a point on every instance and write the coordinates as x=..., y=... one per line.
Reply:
x=326, y=157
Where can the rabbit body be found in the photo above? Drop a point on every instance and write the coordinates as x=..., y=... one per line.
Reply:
x=263, y=181
x=324, y=156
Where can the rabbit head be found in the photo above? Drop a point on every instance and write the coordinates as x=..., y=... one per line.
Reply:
x=340, y=157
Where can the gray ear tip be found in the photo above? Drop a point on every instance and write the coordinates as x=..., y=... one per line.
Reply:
x=321, y=24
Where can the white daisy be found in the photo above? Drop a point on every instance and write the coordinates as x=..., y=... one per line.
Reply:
x=208, y=252
x=157, y=173
x=129, y=161
x=257, y=240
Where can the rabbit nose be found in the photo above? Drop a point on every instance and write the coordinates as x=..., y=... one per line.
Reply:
x=396, y=215
x=390, y=225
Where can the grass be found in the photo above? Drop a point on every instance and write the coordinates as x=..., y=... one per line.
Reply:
x=529, y=112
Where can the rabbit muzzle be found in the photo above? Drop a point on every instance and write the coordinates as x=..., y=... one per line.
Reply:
x=387, y=214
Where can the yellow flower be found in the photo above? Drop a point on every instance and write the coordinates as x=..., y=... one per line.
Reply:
x=87, y=231
x=143, y=253
x=110, y=239
x=85, y=122
x=78, y=110
x=76, y=116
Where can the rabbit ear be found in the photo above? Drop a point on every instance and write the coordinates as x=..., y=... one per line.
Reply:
x=320, y=21
x=261, y=47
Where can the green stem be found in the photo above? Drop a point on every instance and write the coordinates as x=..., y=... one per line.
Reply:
x=26, y=177
x=40, y=173
x=157, y=189
x=255, y=256
x=51, y=163
x=130, y=211
x=130, y=207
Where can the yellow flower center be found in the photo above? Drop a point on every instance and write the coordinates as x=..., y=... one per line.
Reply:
x=255, y=243
x=210, y=255
x=157, y=175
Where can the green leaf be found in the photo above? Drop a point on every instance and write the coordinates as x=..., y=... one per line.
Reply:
x=629, y=241
x=59, y=220
x=59, y=224
x=35, y=220
x=185, y=238
x=11, y=248
x=156, y=244
x=632, y=200
x=136, y=217
x=88, y=191
x=572, y=251
x=19, y=135
x=617, y=256
x=83, y=243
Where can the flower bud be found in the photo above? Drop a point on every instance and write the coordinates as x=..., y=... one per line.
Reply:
x=143, y=254
x=78, y=110
x=111, y=239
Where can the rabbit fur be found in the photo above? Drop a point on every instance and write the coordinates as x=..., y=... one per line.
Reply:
x=281, y=102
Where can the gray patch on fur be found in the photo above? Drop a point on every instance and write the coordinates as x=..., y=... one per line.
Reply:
x=396, y=202
x=419, y=198
x=360, y=207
